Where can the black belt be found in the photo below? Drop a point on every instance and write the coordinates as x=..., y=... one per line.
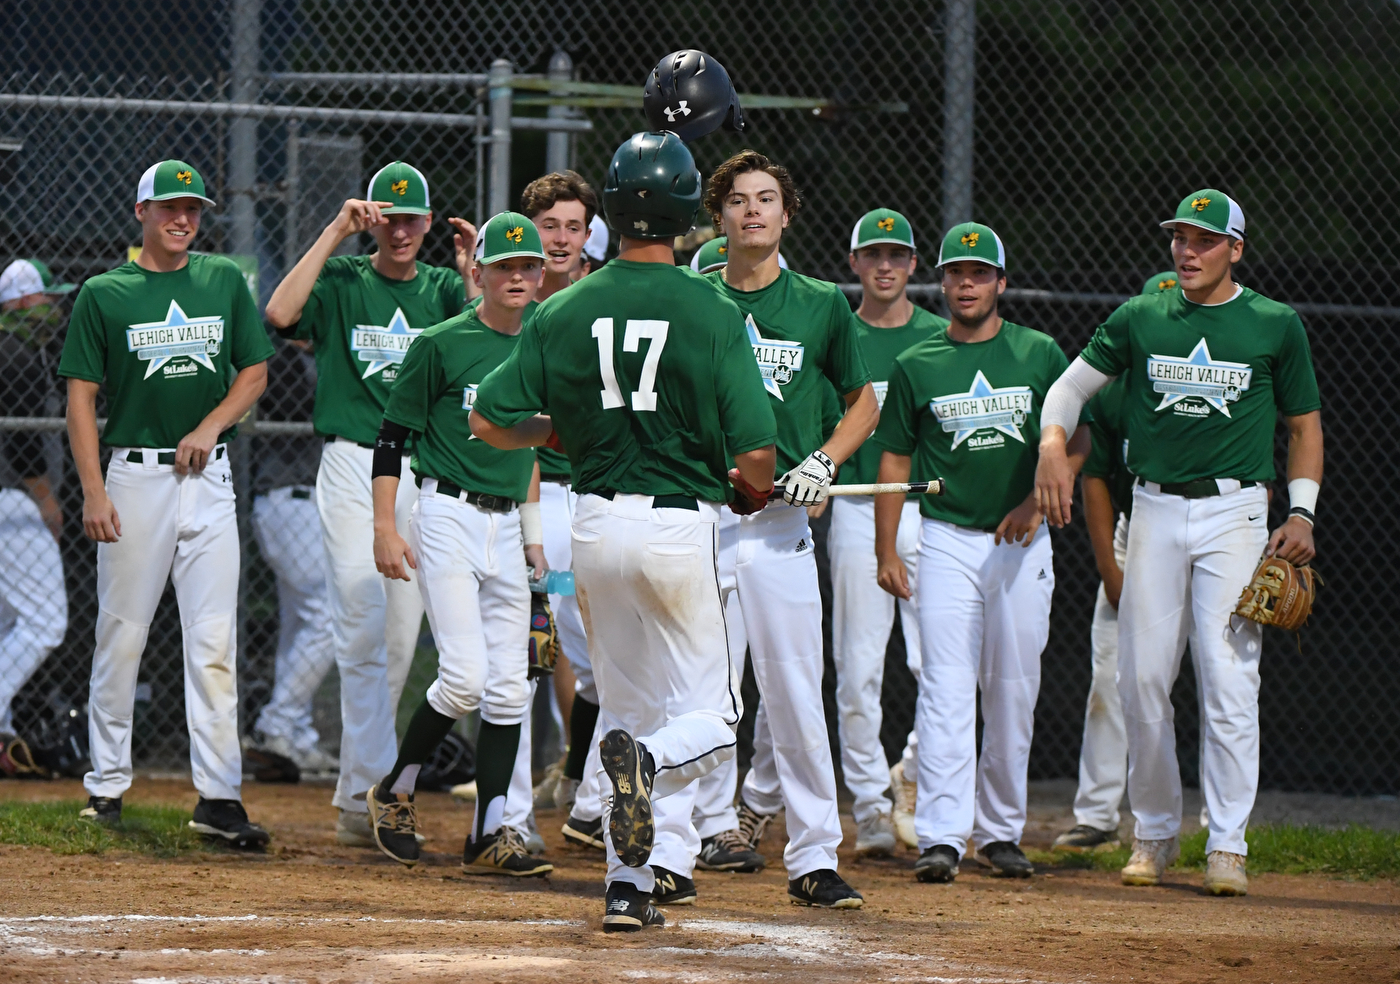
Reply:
x=332, y=438
x=491, y=503
x=557, y=479
x=166, y=457
x=658, y=501
x=1201, y=488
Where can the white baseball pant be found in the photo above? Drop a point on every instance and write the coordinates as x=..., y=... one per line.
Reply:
x=775, y=575
x=184, y=528
x=649, y=595
x=288, y=532
x=862, y=615
x=374, y=621
x=985, y=614
x=1188, y=560
x=33, y=600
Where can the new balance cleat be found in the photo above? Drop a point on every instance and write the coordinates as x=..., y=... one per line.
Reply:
x=671, y=888
x=1083, y=839
x=1150, y=859
x=584, y=833
x=824, y=889
x=1006, y=859
x=226, y=820
x=629, y=909
x=503, y=853
x=937, y=865
x=729, y=851
x=630, y=827
x=106, y=810
x=393, y=823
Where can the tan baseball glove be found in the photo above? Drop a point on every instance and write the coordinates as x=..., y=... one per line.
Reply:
x=544, y=638
x=1280, y=594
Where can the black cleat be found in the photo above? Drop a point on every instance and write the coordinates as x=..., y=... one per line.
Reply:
x=106, y=810
x=503, y=853
x=629, y=910
x=629, y=765
x=228, y=821
x=1006, y=860
x=824, y=889
x=938, y=864
x=1083, y=839
x=729, y=851
x=584, y=833
x=671, y=888
x=393, y=822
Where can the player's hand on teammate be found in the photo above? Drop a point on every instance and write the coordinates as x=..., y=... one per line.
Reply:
x=747, y=500
x=1054, y=480
x=806, y=484
x=357, y=216
x=391, y=553
x=100, y=519
x=464, y=246
x=534, y=557
x=1023, y=521
x=194, y=449
x=894, y=576
x=1293, y=541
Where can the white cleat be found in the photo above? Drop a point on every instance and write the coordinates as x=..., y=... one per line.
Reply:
x=1225, y=874
x=1149, y=860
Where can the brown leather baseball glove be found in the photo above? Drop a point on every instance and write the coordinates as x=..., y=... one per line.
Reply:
x=1280, y=594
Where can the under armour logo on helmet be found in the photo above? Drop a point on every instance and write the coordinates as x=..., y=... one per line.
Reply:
x=671, y=114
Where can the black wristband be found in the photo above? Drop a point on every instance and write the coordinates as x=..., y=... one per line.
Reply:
x=388, y=450
x=1305, y=513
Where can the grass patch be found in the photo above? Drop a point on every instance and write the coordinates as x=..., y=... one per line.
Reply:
x=1352, y=852
x=161, y=831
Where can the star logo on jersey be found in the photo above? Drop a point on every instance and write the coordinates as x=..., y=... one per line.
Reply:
x=1002, y=409
x=178, y=336
x=882, y=388
x=777, y=359
x=1197, y=377
x=468, y=400
x=682, y=110
x=383, y=346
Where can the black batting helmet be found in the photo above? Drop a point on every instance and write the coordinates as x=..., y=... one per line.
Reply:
x=652, y=190
x=690, y=94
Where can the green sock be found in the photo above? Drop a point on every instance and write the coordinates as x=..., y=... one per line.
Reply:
x=425, y=732
x=584, y=718
x=495, y=763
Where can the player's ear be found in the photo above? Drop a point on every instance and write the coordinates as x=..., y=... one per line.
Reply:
x=851, y=259
x=1236, y=250
x=427, y=221
x=913, y=262
x=476, y=276
x=1001, y=281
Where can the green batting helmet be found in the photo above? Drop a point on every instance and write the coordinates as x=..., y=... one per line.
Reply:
x=652, y=189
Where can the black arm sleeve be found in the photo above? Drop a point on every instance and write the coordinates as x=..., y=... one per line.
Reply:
x=388, y=450
x=288, y=332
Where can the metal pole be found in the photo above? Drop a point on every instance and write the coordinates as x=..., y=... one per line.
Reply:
x=500, y=95
x=959, y=64
x=480, y=110
x=291, y=223
x=243, y=134
x=556, y=155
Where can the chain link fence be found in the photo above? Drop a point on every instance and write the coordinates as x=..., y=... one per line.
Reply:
x=1072, y=128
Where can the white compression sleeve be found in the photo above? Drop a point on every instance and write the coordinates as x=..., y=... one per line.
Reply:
x=1070, y=392
x=531, y=526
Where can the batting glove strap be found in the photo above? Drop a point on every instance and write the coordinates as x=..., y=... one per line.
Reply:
x=806, y=484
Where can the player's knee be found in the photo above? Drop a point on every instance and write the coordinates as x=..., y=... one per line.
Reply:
x=450, y=702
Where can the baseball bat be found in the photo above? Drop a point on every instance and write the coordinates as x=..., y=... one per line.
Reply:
x=934, y=487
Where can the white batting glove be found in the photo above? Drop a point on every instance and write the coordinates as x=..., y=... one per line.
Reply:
x=806, y=484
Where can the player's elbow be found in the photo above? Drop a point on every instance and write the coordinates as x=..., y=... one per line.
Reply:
x=484, y=430
x=758, y=466
x=254, y=379
x=280, y=315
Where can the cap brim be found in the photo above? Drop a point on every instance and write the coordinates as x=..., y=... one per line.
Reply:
x=968, y=259
x=405, y=210
x=510, y=256
x=892, y=242
x=1172, y=223
x=183, y=194
x=711, y=268
x=61, y=289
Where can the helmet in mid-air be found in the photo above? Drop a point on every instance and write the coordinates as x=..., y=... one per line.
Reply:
x=690, y=94
x=652, y=190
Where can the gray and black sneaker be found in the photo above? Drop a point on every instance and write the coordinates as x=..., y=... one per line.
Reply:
x=106, y=810
x=824, y=889
x=630, y=767
x=729, y=851
x=629, y=909
x=938, y=864
x=393, y=822
x=227, y=820
x=1083, y=838
x=671, y=888
x=1006, y=859
x=503, y=853
x=752, y=824
x=584, y=833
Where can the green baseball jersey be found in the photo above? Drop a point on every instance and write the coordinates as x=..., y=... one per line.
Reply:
x=433, y=397
x=800, y=329
x=970, y=413
x=362, y=323
x=1206, y=382
x=649, y=377
x=1108, y=452
x=879, y=346
x=167, y=344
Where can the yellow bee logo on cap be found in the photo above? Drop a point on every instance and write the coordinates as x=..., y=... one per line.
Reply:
x=400, y=187
x=516, y=234
x=970, y=240
x=723, y=250
x=886, y=224
x=1199, y=204
x=185, y=176
x=1166, y=283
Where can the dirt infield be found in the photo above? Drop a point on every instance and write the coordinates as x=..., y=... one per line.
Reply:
x=310, y=910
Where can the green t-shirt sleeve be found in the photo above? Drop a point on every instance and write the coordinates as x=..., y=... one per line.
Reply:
x=897, y=432
x=1100, y=461
x=452, y=291
x=319, y=309
x=1295, y=382
x=1110, y=351
x=745, y=414
x=413, y=393
x=845, y=365
x=85, y=347
x=515, y=390
x=249, y=343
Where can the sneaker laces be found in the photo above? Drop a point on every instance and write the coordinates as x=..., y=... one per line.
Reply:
x=732, y=839
x=400, y=817
x=751, y=824
x=509, y=841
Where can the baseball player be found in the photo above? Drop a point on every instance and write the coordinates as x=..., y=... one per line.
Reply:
x=176, y=338
x=801, y=330
x=477, y=506
x=361, y=313
x=1108, y=505
x=33, y=601
x=649, y=384
x=882, y=255
x=1210, y=365
x=961, y=406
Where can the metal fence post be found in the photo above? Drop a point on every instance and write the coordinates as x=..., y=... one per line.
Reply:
x=243, y=133
x=501, y=99
x=959, y=63
x=556, y=156
x=291, y=216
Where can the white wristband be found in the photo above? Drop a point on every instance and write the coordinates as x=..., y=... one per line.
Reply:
x=531, y=527
x=1303, y=492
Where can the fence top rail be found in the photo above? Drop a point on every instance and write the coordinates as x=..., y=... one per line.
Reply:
x=266, y=428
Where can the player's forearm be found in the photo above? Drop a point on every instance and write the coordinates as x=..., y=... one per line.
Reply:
x=857, y=424
x=757, y=466
x=529, y=433
x=1099, y=518
x=285, y=305
x=385, y=489
x=1305, y=446
x=1078, y=447
x=888, y=508
x=82, y=434
x=247, y=386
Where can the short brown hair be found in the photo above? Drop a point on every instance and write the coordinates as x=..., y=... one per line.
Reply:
x=722, y=183
x=544, y=193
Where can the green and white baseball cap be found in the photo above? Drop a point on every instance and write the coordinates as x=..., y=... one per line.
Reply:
x=505, y=236
x=404, y=186
x=24, y=277
x=972, y=241
x=882, y=225
x=1211, y=210
x=171, y=179
x=711, y=256
x=1160, y=283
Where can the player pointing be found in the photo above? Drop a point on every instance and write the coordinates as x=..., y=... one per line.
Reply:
x=1210, y=366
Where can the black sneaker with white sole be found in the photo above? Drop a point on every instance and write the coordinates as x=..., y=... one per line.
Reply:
x=503, y=853
x=584, y=833
x=671, y=888
x=226, y=820
x=939, y=864
x=824, y=889
x=729, y=851
x=1007, y=860
x=106, y=810
x=630, y=767
x=393, y=822
x=629, y=909
x=1084, y=838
